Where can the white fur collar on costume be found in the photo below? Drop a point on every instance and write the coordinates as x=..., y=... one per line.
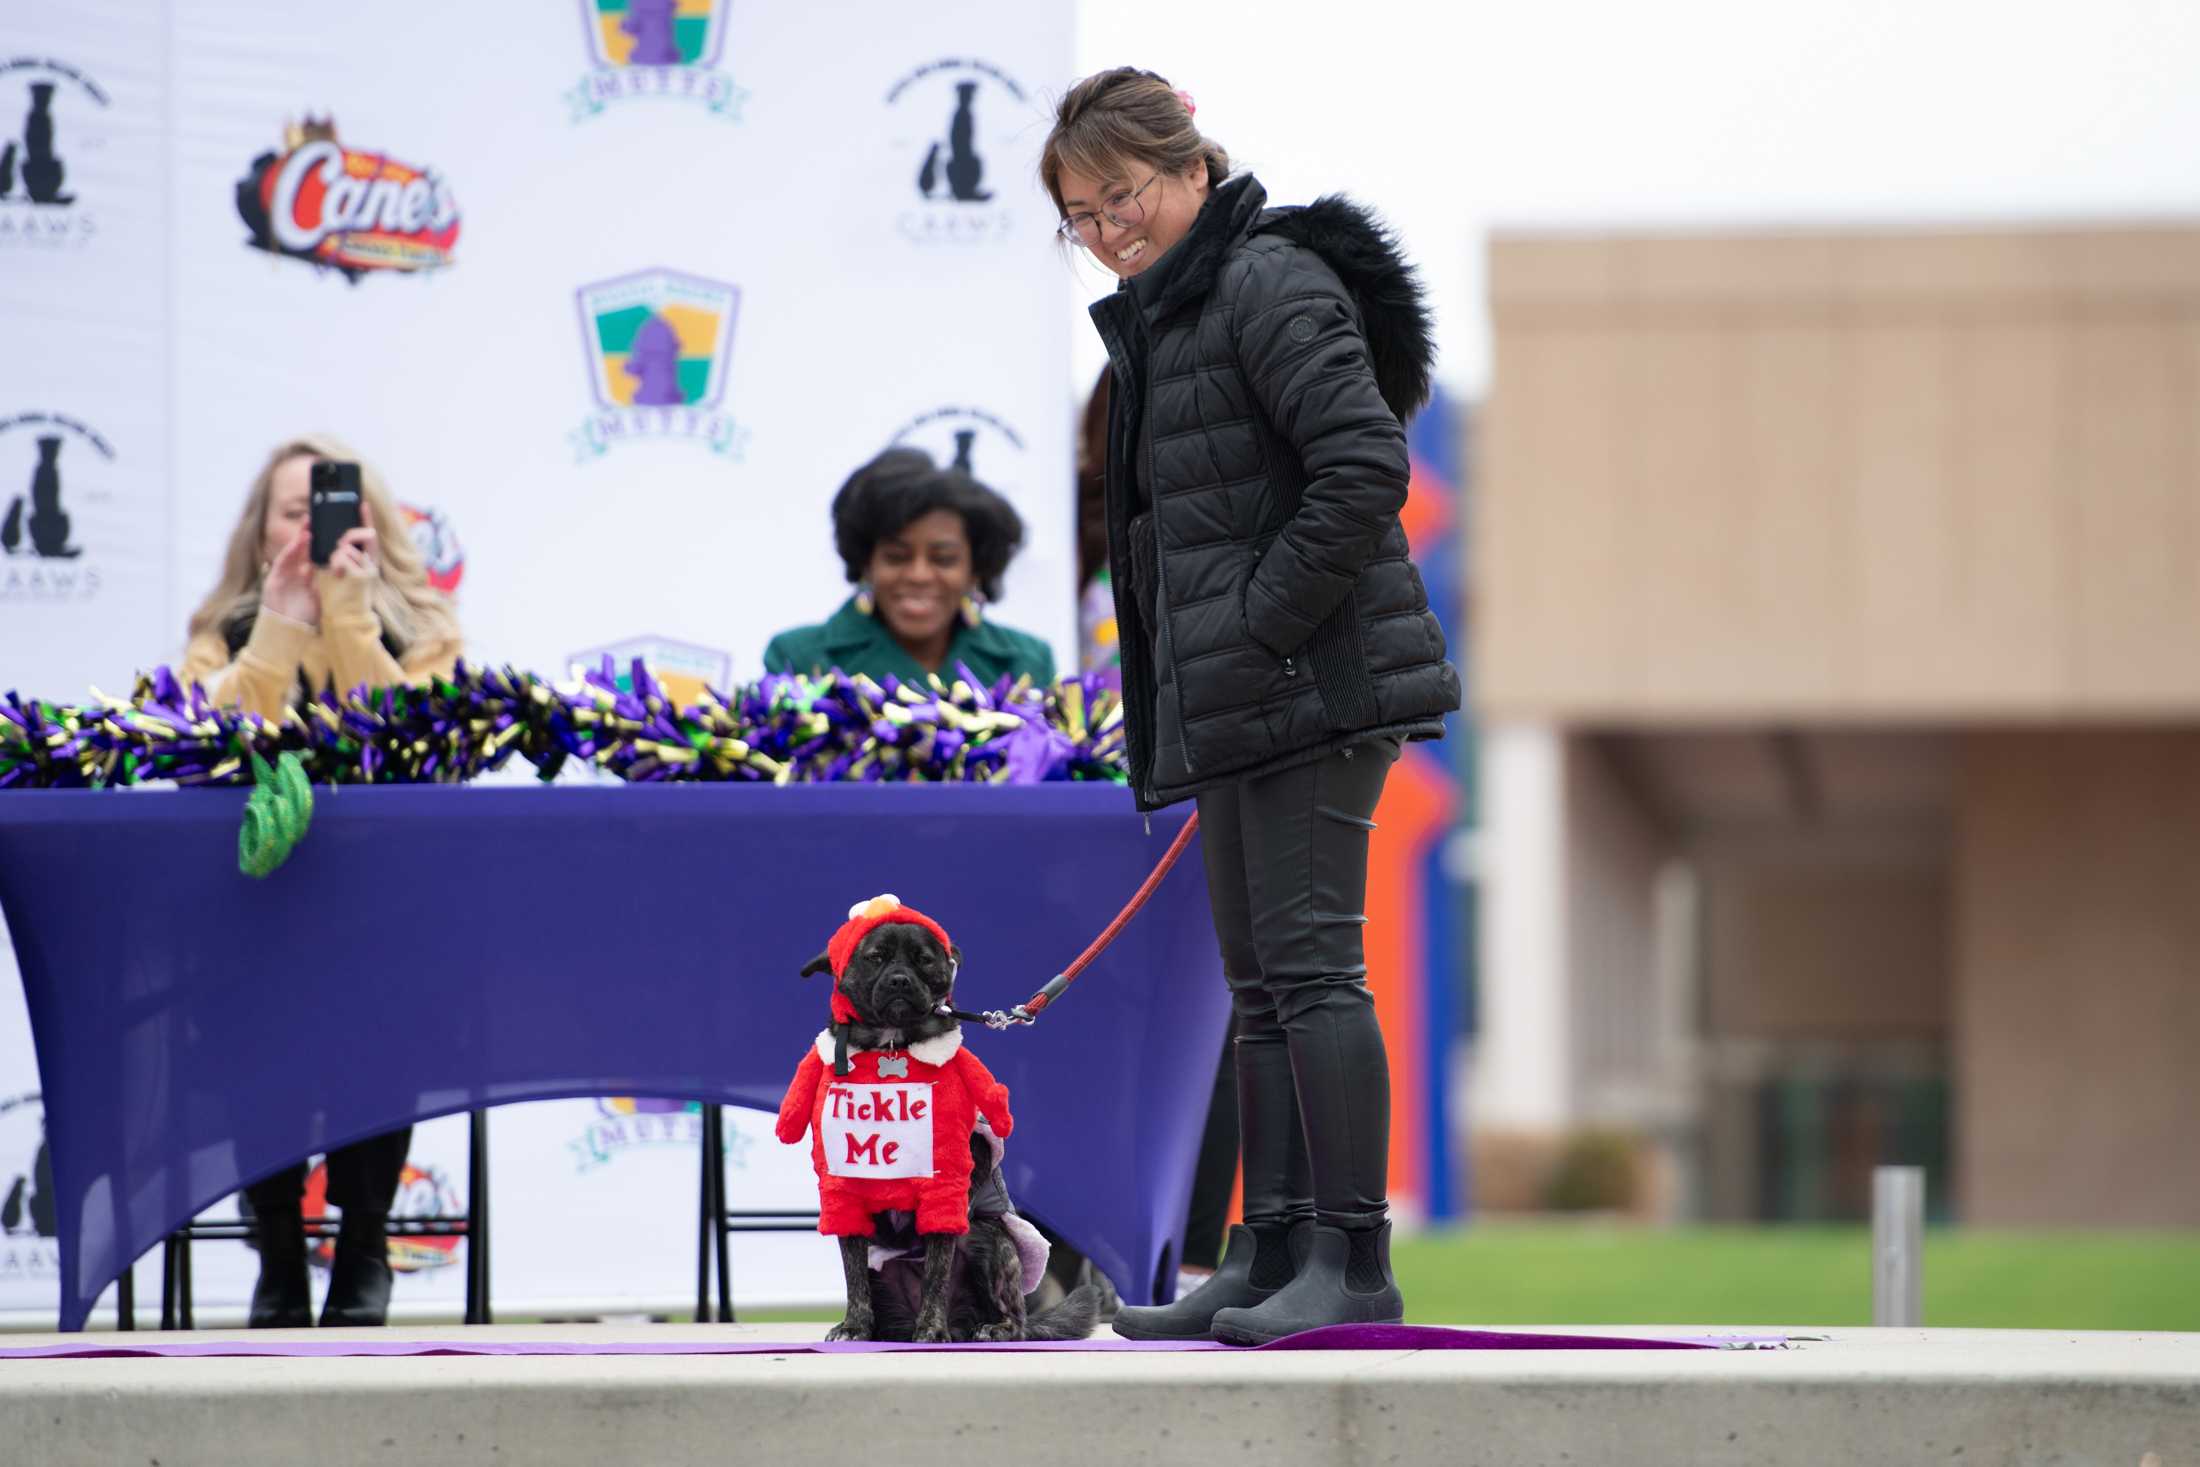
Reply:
x=937, y=1050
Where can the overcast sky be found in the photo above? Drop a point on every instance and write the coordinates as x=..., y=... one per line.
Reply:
x=1454, y=119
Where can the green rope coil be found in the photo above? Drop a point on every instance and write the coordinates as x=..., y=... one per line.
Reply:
x=276, y=815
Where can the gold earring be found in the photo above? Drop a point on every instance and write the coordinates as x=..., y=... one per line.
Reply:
x=864, y=603
x=972, y=611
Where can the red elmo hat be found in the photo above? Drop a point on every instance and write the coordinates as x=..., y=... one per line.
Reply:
x=863, y=919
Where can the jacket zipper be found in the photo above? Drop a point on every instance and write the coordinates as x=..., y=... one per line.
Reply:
x=1167, y=648
x=1133, y=700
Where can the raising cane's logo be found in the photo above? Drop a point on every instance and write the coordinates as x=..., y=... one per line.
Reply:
x=440, y=552
x=349, y=211
x=421, y=1192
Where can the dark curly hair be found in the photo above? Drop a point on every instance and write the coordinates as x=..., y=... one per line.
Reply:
x=900, y=487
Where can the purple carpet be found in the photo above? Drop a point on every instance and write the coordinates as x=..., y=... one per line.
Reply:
x=1336, y=1337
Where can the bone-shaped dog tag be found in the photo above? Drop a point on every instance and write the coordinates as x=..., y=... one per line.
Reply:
x=894, y=1068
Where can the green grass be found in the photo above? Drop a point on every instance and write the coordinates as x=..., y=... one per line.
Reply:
x=1613, y=1273
x=1584, y=1273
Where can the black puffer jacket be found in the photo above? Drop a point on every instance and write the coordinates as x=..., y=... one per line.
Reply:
x=1262, y=370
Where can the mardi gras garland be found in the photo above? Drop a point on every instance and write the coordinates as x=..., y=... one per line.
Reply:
x=781, y=730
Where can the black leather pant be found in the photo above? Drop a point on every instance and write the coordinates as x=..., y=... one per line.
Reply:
x=1286, y=857
x=1208, y=1220
x=362, y=1177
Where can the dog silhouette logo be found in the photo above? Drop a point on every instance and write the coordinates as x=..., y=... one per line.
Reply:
x=41, y=165
x=28, y=1210
x=963, y=126
x=981, y=444
x=47, y=134
x=963, y=168
x=47, y=525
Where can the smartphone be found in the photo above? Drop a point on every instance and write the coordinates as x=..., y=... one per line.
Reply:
x=333, y=501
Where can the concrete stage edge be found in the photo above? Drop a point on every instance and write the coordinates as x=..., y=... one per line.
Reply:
x=1857, y=1396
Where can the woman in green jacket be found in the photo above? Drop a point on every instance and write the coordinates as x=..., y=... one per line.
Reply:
x=925, y=547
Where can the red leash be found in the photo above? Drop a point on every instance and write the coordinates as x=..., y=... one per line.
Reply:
x=1028, y=1011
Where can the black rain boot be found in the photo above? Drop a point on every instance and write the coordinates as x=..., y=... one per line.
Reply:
x=1343, y=1082
x=281, y=1299
x=1346, y=1280
x=359, y=1274
x=1265, y=1250
x=1249, y=1259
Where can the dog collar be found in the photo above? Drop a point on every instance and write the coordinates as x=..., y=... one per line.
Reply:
x=937, y=1050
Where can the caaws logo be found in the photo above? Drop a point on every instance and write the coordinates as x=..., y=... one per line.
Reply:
x=963, y=145
x=29, y=1249
x=50, y=115
x=49, y=464
x=979, y=443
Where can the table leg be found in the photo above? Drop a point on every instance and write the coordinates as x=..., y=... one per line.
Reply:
x=716, y=1143
x=477, y=1218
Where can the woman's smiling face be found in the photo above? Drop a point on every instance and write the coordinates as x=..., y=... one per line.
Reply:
x=920, y=574
x=1156, y=209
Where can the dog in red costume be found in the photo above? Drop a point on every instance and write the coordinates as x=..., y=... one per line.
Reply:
x=900, y=1117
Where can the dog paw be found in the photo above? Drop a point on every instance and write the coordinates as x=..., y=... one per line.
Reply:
x=931, y=1330
x=998, y=1333
x=850, y=1329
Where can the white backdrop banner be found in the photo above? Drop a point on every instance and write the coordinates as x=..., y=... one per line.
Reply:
x=615, y=293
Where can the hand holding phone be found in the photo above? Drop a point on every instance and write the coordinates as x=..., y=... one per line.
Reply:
x=333, y=506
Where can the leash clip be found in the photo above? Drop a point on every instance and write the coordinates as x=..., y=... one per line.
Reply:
x=995, y=1019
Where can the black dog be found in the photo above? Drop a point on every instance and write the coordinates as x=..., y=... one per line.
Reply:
x=899, y=982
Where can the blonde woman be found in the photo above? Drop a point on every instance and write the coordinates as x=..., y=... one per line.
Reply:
x=369, y=617
x=274, y=621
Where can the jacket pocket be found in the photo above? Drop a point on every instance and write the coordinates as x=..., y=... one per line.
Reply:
x=1145, y=569
x=1287, y=667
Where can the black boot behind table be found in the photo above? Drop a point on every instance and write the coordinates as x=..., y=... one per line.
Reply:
x=362, y=1185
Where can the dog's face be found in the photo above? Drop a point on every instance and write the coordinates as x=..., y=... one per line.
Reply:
x=899, y=974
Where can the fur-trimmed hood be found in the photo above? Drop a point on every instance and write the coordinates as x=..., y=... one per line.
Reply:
x=1401, y=335
x=1350, y=239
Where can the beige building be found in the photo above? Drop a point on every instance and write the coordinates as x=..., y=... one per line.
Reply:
x=1837, y=636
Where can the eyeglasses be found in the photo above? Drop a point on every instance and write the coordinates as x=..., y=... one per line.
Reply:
x=1123, y=210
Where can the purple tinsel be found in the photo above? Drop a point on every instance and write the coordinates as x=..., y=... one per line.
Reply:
x=781, y=729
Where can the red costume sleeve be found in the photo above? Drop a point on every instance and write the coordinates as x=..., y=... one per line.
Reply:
x=989, y=1094
x=801, y=1101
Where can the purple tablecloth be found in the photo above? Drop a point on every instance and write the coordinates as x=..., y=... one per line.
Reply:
x=432, y=950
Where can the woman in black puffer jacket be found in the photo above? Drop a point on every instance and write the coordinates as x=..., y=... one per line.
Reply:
x=1276, y=641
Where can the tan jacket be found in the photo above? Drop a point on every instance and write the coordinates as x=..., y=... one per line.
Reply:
x=346, y=648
